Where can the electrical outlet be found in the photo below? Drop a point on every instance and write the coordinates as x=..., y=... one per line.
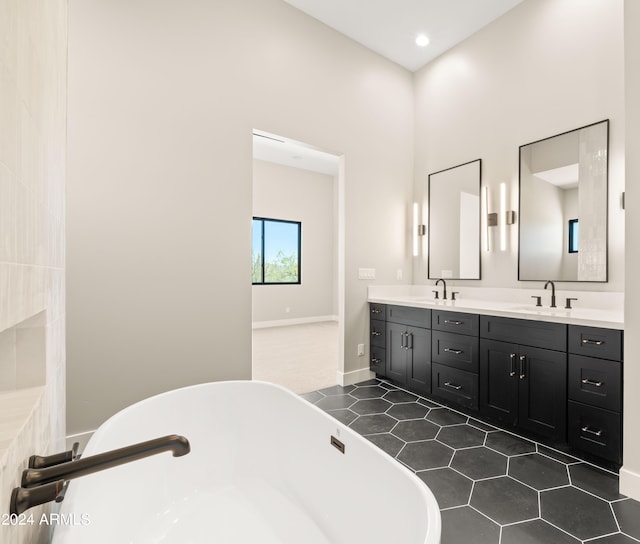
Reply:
x=360, y=350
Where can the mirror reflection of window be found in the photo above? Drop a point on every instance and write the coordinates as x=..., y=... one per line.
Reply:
x=573, y=236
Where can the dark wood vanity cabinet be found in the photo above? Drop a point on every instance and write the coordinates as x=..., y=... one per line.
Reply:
x=560, y=382
x=408, y=347
x=378, y=339
x=522, y=383
x=454, y=357
x=524, y=386
x=595, y=391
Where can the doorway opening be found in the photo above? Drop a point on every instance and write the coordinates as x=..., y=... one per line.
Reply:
x=298, y=327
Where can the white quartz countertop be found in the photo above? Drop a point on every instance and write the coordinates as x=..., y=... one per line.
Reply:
x=592, y=309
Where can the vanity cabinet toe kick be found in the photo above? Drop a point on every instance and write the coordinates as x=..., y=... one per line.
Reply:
x=560, y=382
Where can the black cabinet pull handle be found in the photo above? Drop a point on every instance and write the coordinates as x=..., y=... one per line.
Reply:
x=410, y=343
x=453, y=386
x=376, y=361
x=376, y=333
x=513, y=364
x=522, y=374
x=586, y=429
x=375, y=311
x=451, y=350
x=592, y=342
x=402, y=340
x=587, y=381
x=451, y=322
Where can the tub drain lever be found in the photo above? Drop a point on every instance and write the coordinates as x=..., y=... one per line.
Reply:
x=44, y=461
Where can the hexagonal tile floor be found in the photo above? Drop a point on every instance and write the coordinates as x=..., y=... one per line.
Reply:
x=492, y=486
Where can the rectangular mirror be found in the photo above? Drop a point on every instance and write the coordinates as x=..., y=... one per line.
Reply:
x=454, y=222
x=563, y=206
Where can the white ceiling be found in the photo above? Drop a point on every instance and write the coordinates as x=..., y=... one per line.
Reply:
x=390, y=27
x=565, y=177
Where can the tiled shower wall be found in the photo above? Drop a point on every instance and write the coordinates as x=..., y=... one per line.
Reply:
x=33, y=106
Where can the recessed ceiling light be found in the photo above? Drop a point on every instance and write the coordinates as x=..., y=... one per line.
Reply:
x=422, y=40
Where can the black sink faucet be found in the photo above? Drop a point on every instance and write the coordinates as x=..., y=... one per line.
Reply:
x=179, y=445
x=444, y=288
x=553, y=293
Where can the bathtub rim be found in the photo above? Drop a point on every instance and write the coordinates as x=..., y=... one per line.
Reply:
x=434, y=523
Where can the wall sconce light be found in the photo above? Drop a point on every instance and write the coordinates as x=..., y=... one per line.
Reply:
x=502, y=219
x=503, y=213
x=486, y=223
x=418, y=229
x=507, y=217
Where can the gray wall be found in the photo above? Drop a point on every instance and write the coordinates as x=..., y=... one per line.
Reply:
x=163, y=98
x=543, y=68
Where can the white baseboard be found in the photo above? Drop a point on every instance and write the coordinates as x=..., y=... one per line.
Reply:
x=630, y=483
x=355, y=376
x=294, y=321
x=81, y=438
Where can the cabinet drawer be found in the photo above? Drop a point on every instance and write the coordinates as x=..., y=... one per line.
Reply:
x=527, y=332
x=595, y=431
x=595, y=382
x=377, y=362
x=407, y=315
x=455, y=350
x=455, y=385
x=377, y=311
x=595, y=342
x=378, y=332
x=457, y=322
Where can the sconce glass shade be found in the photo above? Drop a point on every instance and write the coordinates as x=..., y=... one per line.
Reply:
x=503, y=217
x=416, y=238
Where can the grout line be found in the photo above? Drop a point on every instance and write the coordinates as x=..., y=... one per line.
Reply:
x=470, y=421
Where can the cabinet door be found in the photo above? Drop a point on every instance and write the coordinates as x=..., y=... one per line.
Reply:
x=542, y=392
x=396, y=364
x=419, y=359
x=499, y=381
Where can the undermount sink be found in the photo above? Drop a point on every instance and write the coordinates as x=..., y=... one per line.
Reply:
x=532, y=308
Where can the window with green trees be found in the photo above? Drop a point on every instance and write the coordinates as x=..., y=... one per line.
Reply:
x=276, y=251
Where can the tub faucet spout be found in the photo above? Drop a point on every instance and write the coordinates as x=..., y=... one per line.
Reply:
x=553, y=293
x=70, y=470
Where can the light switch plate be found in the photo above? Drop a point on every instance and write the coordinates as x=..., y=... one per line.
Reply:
x=366, y=273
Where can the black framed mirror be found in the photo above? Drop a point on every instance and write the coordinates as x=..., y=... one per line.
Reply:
x=454, y=222
x=563, y=206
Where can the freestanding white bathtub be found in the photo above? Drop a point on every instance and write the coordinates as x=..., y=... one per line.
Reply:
x=261, y=470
